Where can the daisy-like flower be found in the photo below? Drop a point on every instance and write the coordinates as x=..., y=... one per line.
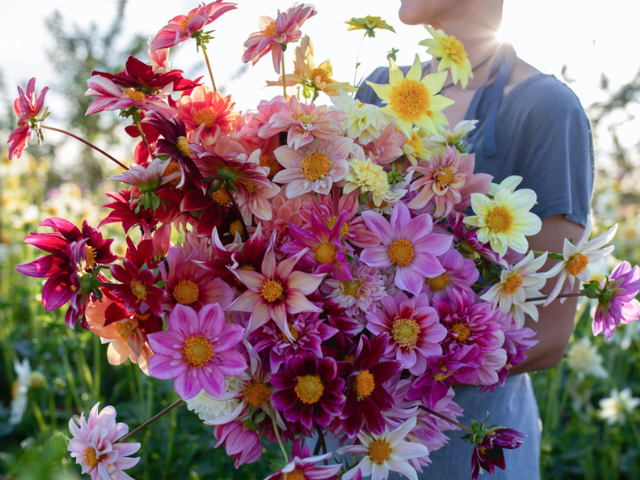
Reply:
x=386, y=453
x=29, y=110
x=313, y=168
x=183, y=27
x=576, y=260
x=618, y=301
x=460, y=273
x=302, y=466
x=583, y=358
x=516, y=284
x=364, y=122
x=274, y=34
x=369, y=24
x=414, y=101
x=366, y=176
x=414, y=147
x=618, y=406
x=451, y=54
x=386, y=148
x=505, y=221
x=409, y=244
x=95, y=445
x=437, y=143
x=197, y=351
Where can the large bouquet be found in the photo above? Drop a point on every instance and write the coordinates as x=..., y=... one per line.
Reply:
x=334, y=271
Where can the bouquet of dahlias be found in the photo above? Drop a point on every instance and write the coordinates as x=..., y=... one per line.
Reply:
x=339, y=267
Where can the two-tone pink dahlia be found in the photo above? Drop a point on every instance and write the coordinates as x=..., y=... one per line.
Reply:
x=409, y=244
x=618, y=302
x=302, y=466
x=240, y=442
x=460, y=273
x=29, y=110
x=275, y=34
x=309, y=391
x=94, y=445
x=197, y=351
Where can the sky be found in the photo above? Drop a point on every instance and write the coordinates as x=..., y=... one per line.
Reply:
x=589, y=37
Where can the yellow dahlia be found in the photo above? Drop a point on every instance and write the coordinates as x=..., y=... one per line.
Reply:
x=451, y=54
x=505, y=221
x=413, y=100
x=369, y=23
x=368, y=177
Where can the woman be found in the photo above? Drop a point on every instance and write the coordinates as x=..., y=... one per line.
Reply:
x=530, y=125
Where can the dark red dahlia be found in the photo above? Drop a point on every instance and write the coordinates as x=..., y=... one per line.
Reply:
x=488, y=451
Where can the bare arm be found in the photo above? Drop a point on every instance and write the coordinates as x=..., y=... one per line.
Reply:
x=555, y=323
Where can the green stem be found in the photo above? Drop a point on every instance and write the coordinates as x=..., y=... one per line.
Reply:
x=38, y=414
x=564, y=295
x=446, y=419
x=86, y=143
x=355, y=74
x=96, y=366
x=284, y=75
x=206, y=59
x=136, y=120
x=277, y=432
x=152, y=419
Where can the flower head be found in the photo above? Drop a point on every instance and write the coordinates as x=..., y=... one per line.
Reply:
x=451, y=53
x=241, y=443
x=489, y=444
x=366, y=176
x=583, y=358
x=369, y=24
x=29, y=110
x=365, y=122
x=618, y=300
x=302, y=466
x=618, y=406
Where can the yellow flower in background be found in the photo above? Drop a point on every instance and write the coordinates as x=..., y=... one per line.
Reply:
x=369, y=23
x=451, y=53
x=413, y=100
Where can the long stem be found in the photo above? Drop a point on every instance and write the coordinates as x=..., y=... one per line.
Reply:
x=564, y=295
x=136, y=120
x=355, y=74
x=86, y=143
x=277, y=432
x=245, y=232
x=206, y=59
x=284, y=75
x=152, y=419
x=446, y=419
x=322, y=442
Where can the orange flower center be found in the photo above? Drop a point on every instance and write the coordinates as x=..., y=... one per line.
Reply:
x=185, y=21
x=134, y=94
x=90, y=256
x=499, y=220
x=379, y=451
x=270, y=30
x=220, y=197
x=251, y=188
x=577, y=264
x=445, y=176
x=257, y=394
x=455, y=49
x=236, y=227
x=186, y=292
x=126, y=328
x=197, y=351
x=309, y=389
x=438, y=283
x=352, y=288
x=344, y=229
x=364, y=384
x=511, y=284
x=410, y=99
x=325, y=253
x=401, y=252
x=270, y=162
x=405, y=332
x=315, y=166
x=139, y=289
x=324, y=76
x=295, y=475
x=307, y=119
x=460, y=331
x=90, y=457
x=272, y=291
x=206, y=115
x=294, y=333
x=183, y=145
x=173, y=167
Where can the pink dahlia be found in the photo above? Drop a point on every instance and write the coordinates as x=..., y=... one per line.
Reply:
x=94, y=445
x=315, y=167
x=413, y=327
x=240, y=442
x=618, y=301
x=460, y=273
x=409, y=244
x=197, y=351
x=183, y=27
x=387, y=147
x=302, y=466
x=28, y=108
x=308, y=390
x=275, y=34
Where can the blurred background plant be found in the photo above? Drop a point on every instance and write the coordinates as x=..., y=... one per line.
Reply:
x=588, y=404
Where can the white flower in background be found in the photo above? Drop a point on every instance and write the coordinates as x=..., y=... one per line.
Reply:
x=616, y=408
x=436, y=143
x=210, y=408
x=365, y=122
x=19, y=391
x=583, y=358
x=576, y=260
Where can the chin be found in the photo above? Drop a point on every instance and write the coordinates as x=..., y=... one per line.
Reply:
x=411, y=12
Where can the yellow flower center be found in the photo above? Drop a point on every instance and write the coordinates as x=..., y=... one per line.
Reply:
x=90, y=457
x=445, y=176
x=185, y=21
x=270, y=30
x=257, y=394
x=126, y=328
x=272, y=291
x=186, y=292
x=315, y=166
x=243, y=267
x=197, y=351
x=307, y=119
x=416, y=143
x=173, y=167
x=183, y=145
x=136, y=95
x=364, y=384
x=349, y=358
x=220, y=197
x=352, y=288
x=455, y=50
x=344, y=229
x=577, y=264
x=511, y=284
x=499, y=220
x=271, y=163
x=295, y=475
x=438, y=283
x=294, y=333
x=90, y=256
x=405, y=332
x=379, y=451
x=439, y=376
x=460, y=331
x=139, y=289
x=325, y=253
x=410, y=99
x=236, y=227
x=309, y=389
x=251, y=188
x=324, y=76
x=401, y=252
x=206, y=115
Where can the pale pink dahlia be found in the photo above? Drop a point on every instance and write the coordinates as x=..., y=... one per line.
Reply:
x=360, y=295
x=409, y=244
x=197, y=351
x=94, y=446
